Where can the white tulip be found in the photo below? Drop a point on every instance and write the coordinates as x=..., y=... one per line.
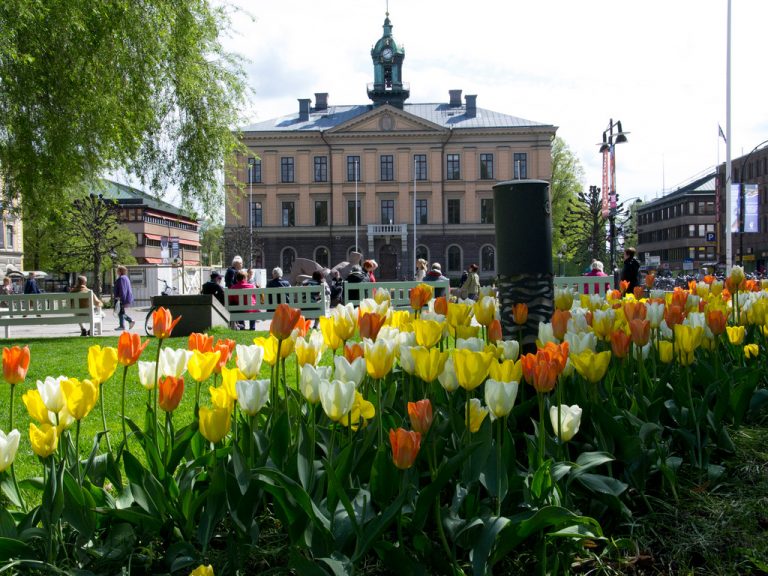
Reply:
x=655, y=313
x=641, y=352
x=578, y=342
x=500, y=396
x=248, y=360
x=407, y=363
x=252, y=395
x=51, y=393
x=546, y=334
x=389, y=333
x=474, y=344
x=354, y=372
x=173, y=362
x=405, y=338
x=9, y=444
x=510, y=349
x=570, y=420
x=309, y=381
x=337, y=398
x=448, y=378
x=147, y=374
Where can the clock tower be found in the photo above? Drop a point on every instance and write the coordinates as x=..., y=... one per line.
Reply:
x=387, y=56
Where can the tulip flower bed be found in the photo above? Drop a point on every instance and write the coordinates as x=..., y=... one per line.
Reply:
x=419, y=441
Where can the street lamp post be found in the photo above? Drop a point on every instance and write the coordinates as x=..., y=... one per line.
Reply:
x=610, y=197
x=251, y=162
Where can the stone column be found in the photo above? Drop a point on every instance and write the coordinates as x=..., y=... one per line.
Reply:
x=523, y=218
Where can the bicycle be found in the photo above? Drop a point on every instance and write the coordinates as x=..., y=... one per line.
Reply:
x=167, y=291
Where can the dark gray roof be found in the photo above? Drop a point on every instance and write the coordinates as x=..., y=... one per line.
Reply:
x=699, y=185
x=440, y=114
x=119, y=192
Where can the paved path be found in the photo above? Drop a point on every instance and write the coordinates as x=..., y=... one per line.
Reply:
x=109, y=327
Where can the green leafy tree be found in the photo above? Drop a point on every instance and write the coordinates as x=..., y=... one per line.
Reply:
x=583, y=228
x=567, y=182
x=211, y=243
x=88, y=87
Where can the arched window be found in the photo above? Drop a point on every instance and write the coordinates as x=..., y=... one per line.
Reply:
x=422, y=252
x=323, y=256
x=258, y=258
x=454, y=258
x=287, y=256
x=488, y=258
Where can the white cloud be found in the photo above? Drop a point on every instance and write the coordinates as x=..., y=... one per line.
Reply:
x=658, y=66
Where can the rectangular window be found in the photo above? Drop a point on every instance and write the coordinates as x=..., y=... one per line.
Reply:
x=289, y=214
x=286, y=169
x=353, y=168
x=486, y=210
x=254, y=170
x=421, y=211
x=486, y=166
x=387, y=211
x=353, y=218
x=2, y=238
x=420, y=166
x=520, y=160
x=321, y=168
x=453, y=167
x=454, y=211
x=9, y=236
x=256, y=215
x=387, y=167
x=321, y=213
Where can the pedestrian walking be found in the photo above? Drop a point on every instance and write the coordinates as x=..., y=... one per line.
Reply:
x=123, y=298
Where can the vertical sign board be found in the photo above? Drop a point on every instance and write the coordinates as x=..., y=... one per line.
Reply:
x=733, y=207
x=606, y=184
x=750, y=208
x=612, y=191
x=174, y=247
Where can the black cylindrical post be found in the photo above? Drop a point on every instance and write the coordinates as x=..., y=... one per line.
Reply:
x=523, y=218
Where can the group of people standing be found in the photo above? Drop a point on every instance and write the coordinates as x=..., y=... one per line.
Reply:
x=630, y=270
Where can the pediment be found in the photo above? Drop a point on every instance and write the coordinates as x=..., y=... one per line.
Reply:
x=386, y=119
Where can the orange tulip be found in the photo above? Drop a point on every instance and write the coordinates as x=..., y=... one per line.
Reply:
x=674, y=314
x=620, y=343
x=163, y=322
x=228, y=342
x=420, y=296
x=224, y=354
x=420, y=414
x=15, y=364
x=542, y=369
x=129, y=348
x=441, y=305
x=369, y=324
x=284, y=321
x=304, y=325
x=649, y=280
x=623, y=286
x=560, y=323
x=201, y=342
x=638, y=292
x=558, y=353
x=171, y=390
x=353, y=351
x=640, y=331
x=405, y=447
x=679, y=297
x=520, y=313
x=494, y=331
x=717, y=320
x=634, y=310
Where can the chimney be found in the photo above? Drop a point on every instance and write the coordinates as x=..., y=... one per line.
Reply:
x=321, y=101
x=455, y=101
x=304, y=109
x=471, y=108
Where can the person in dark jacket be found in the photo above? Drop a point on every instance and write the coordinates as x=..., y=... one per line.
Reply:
x=30, y=286
x=229, y=275
x=436, y=275
x=213, y=287
x=123, y=297
x=631, y=269
x=278, y=281
x=355, y=276
x=337, y=289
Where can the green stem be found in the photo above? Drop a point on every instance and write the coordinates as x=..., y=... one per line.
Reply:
x=251, y=443
x=77, y=454
x=542, y=429
x=168, y=437
x=499, y=440
x=122, y=408
x=13, y=388
x=381, y=413
x=699, y=447
x=155, y=393
x=103, y=418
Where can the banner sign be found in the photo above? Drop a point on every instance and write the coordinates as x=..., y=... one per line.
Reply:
x=612, y=192
x=606, y=184
x=174, y=247
x=751, y=222
x=733, y=207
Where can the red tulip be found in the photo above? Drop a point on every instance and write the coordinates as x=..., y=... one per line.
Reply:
x=405, y=447
x=171, y=390
x=494, y=331
x=163, y=322
x=129, y=348
x=420, y=414
x=15, y=364
x=369, y=324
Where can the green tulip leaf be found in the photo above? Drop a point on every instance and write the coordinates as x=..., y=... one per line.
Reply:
x=11, y=549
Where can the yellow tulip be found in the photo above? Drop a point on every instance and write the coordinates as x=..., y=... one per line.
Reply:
x=202, y=570
x=330, y=337
x=563, y=298
x=735, y=334
x=458, y=314
x=751, y=351
x=401, y=319
x=81, y=396
x=229, y=378
x=344, y=321
x=44, y=440
x=35, y=406
x=361, y=412
x=309, y=351
x=477, y=414
x=687, y=340
x=506, y=371
x=485, y=310
x=602, y=323
x=220, y=398
x=467, y=331
x=214, y=423
x=471, y=367
x=101, y=363
x=592, y=365
x=269, y=344
x=665, y=351
x=288, y=345
x=428, y=332
x=429, y=363
x=379, y=357
x=202, y=364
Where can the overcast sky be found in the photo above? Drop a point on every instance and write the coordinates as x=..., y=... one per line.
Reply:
x=656, y=65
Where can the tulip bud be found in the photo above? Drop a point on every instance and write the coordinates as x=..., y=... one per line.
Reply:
x=570, y=419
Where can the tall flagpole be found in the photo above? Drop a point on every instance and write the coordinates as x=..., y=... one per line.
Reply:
x=357, y=205
x=413, y=263
x=728, y=162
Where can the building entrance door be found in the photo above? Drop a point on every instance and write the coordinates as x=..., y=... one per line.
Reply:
x=388, y=265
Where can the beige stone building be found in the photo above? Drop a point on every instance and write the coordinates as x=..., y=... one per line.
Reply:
x=391, y=179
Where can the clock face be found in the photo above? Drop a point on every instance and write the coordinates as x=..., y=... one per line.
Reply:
x=387, y=54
